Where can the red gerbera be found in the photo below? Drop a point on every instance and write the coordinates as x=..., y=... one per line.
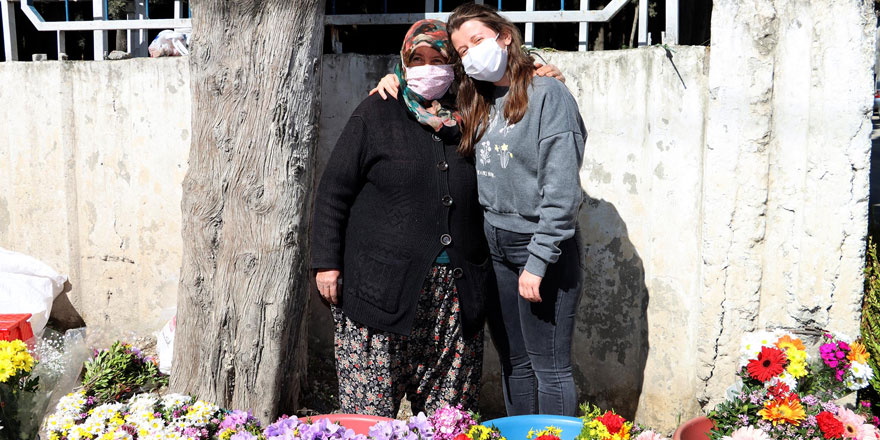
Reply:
x=462, y=437
x=612, y=422
x=770, y=363
x=830, y=426
x=548, y=437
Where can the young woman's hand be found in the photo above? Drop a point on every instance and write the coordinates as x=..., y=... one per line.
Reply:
x=388, y=84
x=328, y=285
x=529, y=286
x=549, y=70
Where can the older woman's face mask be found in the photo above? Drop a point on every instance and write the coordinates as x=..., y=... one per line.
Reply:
x=428, y=73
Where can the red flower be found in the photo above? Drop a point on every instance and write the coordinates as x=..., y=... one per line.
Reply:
x=770, y=363
x=612, y=422
x=462, y=437
x=779, y=391
x=830, y=426
x=548, y=437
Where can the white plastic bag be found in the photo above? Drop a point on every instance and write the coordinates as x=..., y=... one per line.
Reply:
x=169, y=44
x=165, y=345
x=28, y=285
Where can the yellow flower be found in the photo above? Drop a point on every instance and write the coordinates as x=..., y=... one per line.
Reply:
x=6, y=371
x=504, y=147
x=857, y=353
x=54, y=436
x=786, y=343
x=787, y=410
x=797, y=369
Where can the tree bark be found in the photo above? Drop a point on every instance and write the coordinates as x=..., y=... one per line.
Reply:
x=255, y=69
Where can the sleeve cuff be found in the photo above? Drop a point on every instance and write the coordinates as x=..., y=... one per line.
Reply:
x=536, y=266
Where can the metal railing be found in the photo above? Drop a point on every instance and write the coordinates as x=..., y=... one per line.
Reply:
x=136, y=26
x=139, y=22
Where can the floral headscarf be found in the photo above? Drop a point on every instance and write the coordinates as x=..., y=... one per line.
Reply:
x=438, y=114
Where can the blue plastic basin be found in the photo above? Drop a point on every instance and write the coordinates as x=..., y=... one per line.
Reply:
x=517, y=427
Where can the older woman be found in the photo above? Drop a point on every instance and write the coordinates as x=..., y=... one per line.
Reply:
x=397, y=218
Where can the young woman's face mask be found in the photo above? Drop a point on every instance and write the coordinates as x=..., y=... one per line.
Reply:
x=486, y=61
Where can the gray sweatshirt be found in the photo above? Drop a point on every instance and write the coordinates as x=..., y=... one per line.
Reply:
x=528, y=172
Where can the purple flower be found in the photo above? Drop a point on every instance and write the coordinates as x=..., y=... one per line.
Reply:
x=449, y=422
x=810, y=400
x=242, y=435
x=283, y=429
x=235, y=418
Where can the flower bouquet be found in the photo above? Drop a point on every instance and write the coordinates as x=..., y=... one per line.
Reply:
x=119, y=372
x=779, y=395
x=607, y=425
x=81, y=417
x=17, y=390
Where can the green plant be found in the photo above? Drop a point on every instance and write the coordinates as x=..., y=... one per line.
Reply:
x=119, y=372
x=870, y=326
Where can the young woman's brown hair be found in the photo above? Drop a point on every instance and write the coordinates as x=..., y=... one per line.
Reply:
x=474, y=96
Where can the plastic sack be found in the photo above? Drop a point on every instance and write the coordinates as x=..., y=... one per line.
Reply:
x=28, y=285
x=169, y=44
x=165, y=345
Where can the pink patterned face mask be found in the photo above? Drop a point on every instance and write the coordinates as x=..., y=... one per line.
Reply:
x=430, y=81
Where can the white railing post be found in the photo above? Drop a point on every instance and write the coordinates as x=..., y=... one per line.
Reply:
x=530, y=27
x=10, y=39
x=100, y=46
x=178, y=9
x=140, y=44
x=643, y=23
x=62, y=45
x=584, y=29
x=671, y=36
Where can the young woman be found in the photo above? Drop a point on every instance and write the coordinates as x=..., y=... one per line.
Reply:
x=528, y=138
x=397, y=218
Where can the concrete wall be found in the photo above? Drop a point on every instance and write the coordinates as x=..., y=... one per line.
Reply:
x=91, y=160
x=726, y=192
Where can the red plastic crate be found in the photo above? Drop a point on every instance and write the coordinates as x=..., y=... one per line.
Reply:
x=15, y=327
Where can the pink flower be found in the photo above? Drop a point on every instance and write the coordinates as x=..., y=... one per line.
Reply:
x=747, y=433
x=852, y=423
x=650, y=435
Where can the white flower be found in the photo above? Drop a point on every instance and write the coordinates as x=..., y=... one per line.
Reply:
x=855, y=383
x=861, y=371
x=785, y=378
x=752, y=343
x=175, y=400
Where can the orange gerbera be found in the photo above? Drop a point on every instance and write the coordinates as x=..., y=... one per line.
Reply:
x=786, y=342
x=857, y=353
x=787, y=410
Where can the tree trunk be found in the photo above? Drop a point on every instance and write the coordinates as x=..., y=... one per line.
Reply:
x=255, y=69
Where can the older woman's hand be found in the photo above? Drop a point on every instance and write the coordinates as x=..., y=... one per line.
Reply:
x=388, y=84
x=549, y=70
x=329, y=285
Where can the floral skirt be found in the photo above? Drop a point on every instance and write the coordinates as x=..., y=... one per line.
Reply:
x=433, y=366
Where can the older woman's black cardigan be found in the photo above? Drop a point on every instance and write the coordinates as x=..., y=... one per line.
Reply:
x=391, y=196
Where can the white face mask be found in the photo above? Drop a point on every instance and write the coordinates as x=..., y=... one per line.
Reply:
x=486, y=61
x=430, y=81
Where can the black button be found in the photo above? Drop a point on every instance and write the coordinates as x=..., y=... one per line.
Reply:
x=457, y=273
x=435, y=137
x=446, y=200
x=442, y=165
x=445, y=239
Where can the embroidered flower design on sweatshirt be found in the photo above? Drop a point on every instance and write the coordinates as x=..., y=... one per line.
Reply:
x=506, y=129
x=485, y=151
x=503, y=155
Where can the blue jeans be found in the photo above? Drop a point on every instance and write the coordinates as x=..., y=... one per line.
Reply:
x=534, y=339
